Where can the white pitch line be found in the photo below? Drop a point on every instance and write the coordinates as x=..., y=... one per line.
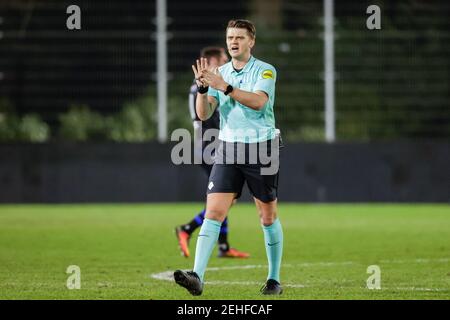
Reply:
x=251, y=283
x=443, y=260
x=417, y=289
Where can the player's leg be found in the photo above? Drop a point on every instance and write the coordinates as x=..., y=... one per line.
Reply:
x=264, y=188
x=224, y=246
x=217, y=208
x=196, y=222
x=273, y=240
x=225, y=184
x=184, y=231
x=225, y=250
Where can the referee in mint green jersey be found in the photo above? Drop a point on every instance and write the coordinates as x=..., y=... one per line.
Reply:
x=243, y=90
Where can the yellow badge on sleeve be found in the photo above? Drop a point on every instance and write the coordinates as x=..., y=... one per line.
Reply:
x=267, y=74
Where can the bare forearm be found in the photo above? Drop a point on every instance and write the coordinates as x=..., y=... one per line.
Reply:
x=248, y=99
x=203, y=107
x=254, y=100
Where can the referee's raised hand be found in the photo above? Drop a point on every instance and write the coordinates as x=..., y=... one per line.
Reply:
x=202, y=64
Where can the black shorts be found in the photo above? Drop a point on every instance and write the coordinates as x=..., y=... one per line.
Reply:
x=261, y=172
x=207, y=168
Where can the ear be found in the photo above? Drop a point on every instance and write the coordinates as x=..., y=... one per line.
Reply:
x=252, y=43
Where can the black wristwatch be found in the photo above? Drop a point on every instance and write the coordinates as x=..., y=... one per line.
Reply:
x=228, y=90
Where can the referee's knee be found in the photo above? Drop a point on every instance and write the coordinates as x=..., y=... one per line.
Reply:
x=216, y=214
x=268, y=220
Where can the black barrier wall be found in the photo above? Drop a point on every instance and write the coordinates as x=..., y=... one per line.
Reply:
x=381, y=172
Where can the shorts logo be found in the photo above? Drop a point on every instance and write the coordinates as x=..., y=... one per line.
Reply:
x=210, y=185
x=267, y=74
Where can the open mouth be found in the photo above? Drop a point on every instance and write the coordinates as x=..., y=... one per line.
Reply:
x=234, y=49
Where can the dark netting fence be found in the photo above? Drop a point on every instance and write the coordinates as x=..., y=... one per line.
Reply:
x=99, y=83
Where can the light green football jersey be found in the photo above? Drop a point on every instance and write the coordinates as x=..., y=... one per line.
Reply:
x=239, y=123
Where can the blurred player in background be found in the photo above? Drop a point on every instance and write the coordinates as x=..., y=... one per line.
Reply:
x=244, y=92
x=216, y=57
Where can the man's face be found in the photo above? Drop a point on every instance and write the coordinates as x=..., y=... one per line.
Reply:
x=239, y=42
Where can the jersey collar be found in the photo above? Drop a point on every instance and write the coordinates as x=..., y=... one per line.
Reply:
x=247, y=66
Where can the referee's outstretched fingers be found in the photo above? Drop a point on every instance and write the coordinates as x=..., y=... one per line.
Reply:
x=198, y=73
x=197, y=76
x=195, y=72
x=205, y=64
x=199, y=65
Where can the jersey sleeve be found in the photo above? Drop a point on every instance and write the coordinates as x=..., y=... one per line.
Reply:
x=213, y=93
x=266, y=80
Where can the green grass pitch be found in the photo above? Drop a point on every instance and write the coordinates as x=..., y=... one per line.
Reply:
x=327, y=251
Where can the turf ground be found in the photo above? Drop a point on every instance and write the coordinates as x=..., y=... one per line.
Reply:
x=122, y=250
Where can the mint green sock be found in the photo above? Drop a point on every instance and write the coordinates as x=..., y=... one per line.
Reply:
x=273, y=238
x=207, y=238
